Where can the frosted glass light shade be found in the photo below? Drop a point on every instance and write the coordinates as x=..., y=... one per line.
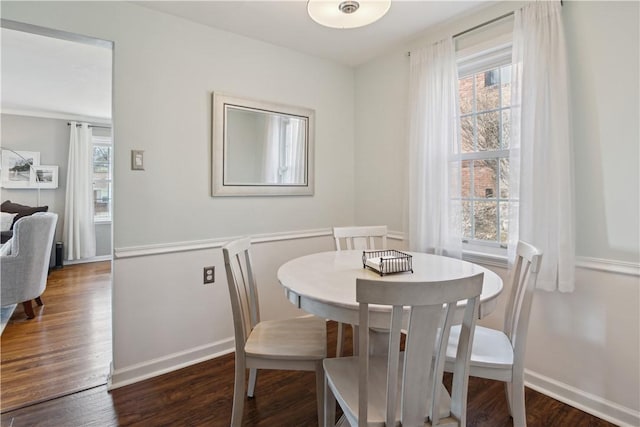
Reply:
x=330, y=14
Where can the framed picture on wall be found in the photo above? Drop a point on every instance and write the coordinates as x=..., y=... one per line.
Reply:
x=17, y=168
x=44, y=177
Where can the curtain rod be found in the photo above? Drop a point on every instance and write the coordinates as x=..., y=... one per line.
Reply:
x=468, y=30
x=91, y=126
x=489, y=22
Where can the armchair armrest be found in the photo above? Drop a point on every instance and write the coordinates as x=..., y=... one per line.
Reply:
x=5, y=249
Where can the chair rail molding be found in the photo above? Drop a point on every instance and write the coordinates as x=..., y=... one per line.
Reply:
x=196, y=245
x=610, y=265
x=599, y=264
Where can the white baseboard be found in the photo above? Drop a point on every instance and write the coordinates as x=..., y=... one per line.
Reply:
x=595, y=405
x=172, y=362
x=87, y=260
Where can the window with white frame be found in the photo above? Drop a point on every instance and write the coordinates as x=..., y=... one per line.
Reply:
x=484, y=89
x=102, y=173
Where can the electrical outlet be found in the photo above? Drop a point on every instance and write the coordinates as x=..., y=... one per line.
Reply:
x=209, y=275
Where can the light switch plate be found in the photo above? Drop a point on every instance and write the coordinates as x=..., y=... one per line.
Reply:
x=137, y=160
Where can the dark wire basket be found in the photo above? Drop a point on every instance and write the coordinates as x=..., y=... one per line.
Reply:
x=387, y=261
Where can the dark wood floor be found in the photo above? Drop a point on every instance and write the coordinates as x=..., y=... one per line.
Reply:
x=67, y=346
x=200, y=395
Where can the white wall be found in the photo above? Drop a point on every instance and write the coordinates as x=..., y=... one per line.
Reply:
x=584, y=347
x=381, y=123
x=165, y=70
x=46, y=136
x=49, y=137
x=603, y=52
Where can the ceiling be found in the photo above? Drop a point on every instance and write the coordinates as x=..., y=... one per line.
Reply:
x=50, y=75
x=287, y=24
x=46, y=76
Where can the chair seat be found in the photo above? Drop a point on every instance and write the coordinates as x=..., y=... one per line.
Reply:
x=491, y=349
x=302, y=338
x=342, y=374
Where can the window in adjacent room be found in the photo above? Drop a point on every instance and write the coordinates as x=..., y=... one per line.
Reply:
x=484, y=89
x=102, y=173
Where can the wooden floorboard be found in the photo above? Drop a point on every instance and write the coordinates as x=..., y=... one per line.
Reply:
x=199, y=395
x=67, y=346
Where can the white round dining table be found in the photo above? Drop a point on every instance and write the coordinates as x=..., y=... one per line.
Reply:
x=324, y=284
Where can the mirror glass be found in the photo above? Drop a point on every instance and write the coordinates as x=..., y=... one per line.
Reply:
x=261, y=148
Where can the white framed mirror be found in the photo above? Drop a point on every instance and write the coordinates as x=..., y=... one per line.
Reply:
x=261, y=148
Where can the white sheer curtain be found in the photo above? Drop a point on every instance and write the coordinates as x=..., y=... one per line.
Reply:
x=270, y=169
x=295, y=153
x=79, y=229
x=541, y=154
x=284, y=151
x=434, y=168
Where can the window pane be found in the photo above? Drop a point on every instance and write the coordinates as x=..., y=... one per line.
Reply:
x=485, y=127
x=465, y=91
x=485, y=214
x=488, y=131
x=102, y=199
x=466, y=134
x=506, y=128
x=484, y=178
x=487, y=91
x=504, y=222
x=465, y=179
x=466, y=219
x=101, y=161
x=505, y=80
x=504, y=178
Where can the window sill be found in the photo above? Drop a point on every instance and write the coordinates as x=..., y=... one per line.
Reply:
x=495, y=257
x=101, y=221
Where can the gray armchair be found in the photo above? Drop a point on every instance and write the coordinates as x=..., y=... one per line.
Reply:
x=24, y=269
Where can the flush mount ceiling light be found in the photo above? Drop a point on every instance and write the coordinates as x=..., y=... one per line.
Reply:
x=347, y=13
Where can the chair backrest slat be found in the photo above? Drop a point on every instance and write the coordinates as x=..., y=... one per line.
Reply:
x=360, y=237
x=524, y=276
x=459, y=384
x=440, y=358
x=419, y=351
x=240, y=294
x=242, y=289
x=431, y=307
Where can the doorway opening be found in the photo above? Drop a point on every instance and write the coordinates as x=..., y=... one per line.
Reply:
x=52, y=80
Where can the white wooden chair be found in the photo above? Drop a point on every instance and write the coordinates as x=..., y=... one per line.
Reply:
x=404, y=388
x=359, y=237
x=499, y=355
x=298, y=344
